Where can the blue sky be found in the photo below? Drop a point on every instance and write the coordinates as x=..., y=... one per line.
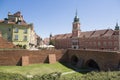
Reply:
x=56, y=16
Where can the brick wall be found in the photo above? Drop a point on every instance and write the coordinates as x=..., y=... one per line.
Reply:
x=105, y=59
x=14, y=57
x=4, y=43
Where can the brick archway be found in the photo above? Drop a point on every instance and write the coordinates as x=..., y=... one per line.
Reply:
x=74, y=60
x=119, y=65
x=92, y=64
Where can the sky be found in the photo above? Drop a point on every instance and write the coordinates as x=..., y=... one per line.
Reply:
x=56, y=16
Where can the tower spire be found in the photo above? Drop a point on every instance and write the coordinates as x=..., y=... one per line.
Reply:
x=76, y=19
x=76, y=13
x=116, y=23
x=117, y=26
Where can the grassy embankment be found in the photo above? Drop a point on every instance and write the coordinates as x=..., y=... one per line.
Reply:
x=35, y=69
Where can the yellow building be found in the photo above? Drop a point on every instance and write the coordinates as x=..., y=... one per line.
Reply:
x=16, y=30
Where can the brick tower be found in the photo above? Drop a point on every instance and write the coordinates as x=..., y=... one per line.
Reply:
x=75, y=32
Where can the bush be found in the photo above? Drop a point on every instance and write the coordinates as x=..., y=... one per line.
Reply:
x=56, y=76
x=96, y=76
x=11, y=76
x=24, y=46
x=51, y=76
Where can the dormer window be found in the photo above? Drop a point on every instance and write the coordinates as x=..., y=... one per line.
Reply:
x=19, y=23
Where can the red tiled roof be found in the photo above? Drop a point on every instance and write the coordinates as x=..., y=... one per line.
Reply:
x=87, y=34
x=109, y=32
x=11, y=22
x=62, y=36
x=17, y=13
x=98, y=33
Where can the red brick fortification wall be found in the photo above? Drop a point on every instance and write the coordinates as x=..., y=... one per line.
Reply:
x=106, y=60
x=15, y=57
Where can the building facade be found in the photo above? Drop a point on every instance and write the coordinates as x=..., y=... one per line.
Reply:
x=16, y=30
x=106, y=39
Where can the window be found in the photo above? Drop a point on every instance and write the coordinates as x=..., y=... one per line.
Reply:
x=74, y=43
x=25, y=31
x=16, y=37
x=90, y=43
x=115, y=43
x=94, y=43
x=99, y=44
x=16, y=30
x=104, y=43
x=25, y=38
x=110, y=43
x=9, y=29
x=19, y=22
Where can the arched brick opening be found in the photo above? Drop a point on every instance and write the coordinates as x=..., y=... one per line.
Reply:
x=119, y=65
x=74, y=60
x=91, y=64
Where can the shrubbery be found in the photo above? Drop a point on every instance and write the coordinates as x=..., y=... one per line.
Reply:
x=96, y=76
x=56, y=76
x=52, y=76
x=11, y=76
x=14, y=76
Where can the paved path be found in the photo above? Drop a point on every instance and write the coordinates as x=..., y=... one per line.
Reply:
x=74, y=72
x=68, y=72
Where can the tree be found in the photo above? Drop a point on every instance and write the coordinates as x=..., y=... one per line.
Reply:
x=51, y=42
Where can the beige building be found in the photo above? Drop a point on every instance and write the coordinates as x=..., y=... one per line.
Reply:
x=16, y=30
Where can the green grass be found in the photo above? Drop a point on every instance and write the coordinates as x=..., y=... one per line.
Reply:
x=35, y=69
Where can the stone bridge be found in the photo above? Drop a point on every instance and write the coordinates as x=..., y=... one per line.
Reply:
x=101, y=60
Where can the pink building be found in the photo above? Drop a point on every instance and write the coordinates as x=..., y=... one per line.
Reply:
x=106, y=39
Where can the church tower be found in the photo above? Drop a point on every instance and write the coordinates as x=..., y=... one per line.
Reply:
x=76, y=27
x=75, y=32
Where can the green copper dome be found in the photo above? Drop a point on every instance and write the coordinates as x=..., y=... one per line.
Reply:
x=76, y=19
